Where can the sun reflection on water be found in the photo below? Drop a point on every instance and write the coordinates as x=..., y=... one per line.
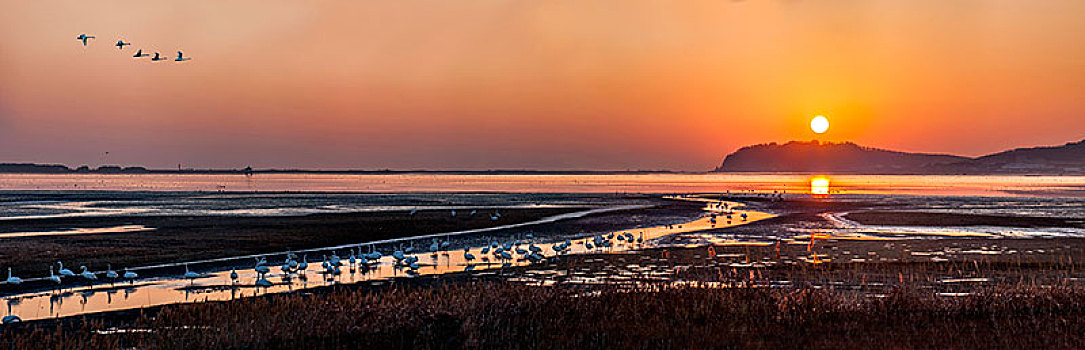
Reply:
x=819, y=185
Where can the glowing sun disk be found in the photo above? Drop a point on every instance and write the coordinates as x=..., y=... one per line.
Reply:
x=819, y=124
x=819, y=185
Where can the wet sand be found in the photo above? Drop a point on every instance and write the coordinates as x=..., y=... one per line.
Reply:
x=904, y=218
x=183, y=238
x=724, y=297
x=894, y=288
x=178, y=239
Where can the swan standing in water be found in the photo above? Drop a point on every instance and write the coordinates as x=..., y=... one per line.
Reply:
x=304, y=264
x=261, y=268
x=63, y=271
x=87, y=274
x=335, y=260
x=190, y=275
x=109, y=273
x=292, y=260
x=13, y=279
x=10, y=319
x=286, y=266
x=373, y=253
x=129, y=275
x=52, y=277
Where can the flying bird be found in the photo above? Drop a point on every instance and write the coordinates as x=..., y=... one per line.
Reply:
x=120, y=44
x=84, y=38
x=159, y=58
x=140, y=53
x=181, y=57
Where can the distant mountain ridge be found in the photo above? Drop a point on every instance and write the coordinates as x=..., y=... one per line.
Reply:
x=33, y=168
x=847, y=157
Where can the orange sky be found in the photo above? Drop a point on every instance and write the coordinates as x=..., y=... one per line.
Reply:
x=623, y=84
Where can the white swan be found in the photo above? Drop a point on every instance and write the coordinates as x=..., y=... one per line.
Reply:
x=87, y=274
x=304, y=264
x=261, y=268
x=109, y=273
x=52, y=277
x=10, y=319
x=63, y=271
x=190, y=274
x=13, y=279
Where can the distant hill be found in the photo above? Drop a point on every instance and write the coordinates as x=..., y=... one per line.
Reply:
x=814, y=156
x=61, y=169
x=1066, y=159
x=847, y=157
x=31, y=168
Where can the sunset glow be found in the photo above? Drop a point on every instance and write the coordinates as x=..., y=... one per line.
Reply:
x=524, y=84
x=819, y=185
x=819, y=124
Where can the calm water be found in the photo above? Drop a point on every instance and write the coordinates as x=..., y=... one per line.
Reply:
x=47, y=196
x=24, y=196
x=1072, y=186
x=217, y=284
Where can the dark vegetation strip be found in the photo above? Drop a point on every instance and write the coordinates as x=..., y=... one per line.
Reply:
x=484, y=315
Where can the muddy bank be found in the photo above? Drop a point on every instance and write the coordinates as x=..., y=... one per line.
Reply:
x=194, y=238
x=184, y=238
x=901, y=218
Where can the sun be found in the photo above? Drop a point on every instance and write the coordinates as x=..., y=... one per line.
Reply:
x=819, y=185
x=819, y=124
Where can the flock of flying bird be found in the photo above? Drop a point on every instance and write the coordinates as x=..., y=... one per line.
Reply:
x=139, y=53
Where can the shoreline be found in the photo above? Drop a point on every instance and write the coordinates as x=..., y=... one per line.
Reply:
x=387, y=228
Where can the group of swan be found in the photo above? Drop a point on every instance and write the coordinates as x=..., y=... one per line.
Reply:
x=524, y=249
x=403, y=257
x=65, y=273
x=139, y=53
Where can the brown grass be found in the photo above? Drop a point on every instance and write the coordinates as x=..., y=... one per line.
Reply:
x=484, y=315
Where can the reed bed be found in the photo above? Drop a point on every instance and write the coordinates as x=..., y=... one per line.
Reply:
x=514, y=316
